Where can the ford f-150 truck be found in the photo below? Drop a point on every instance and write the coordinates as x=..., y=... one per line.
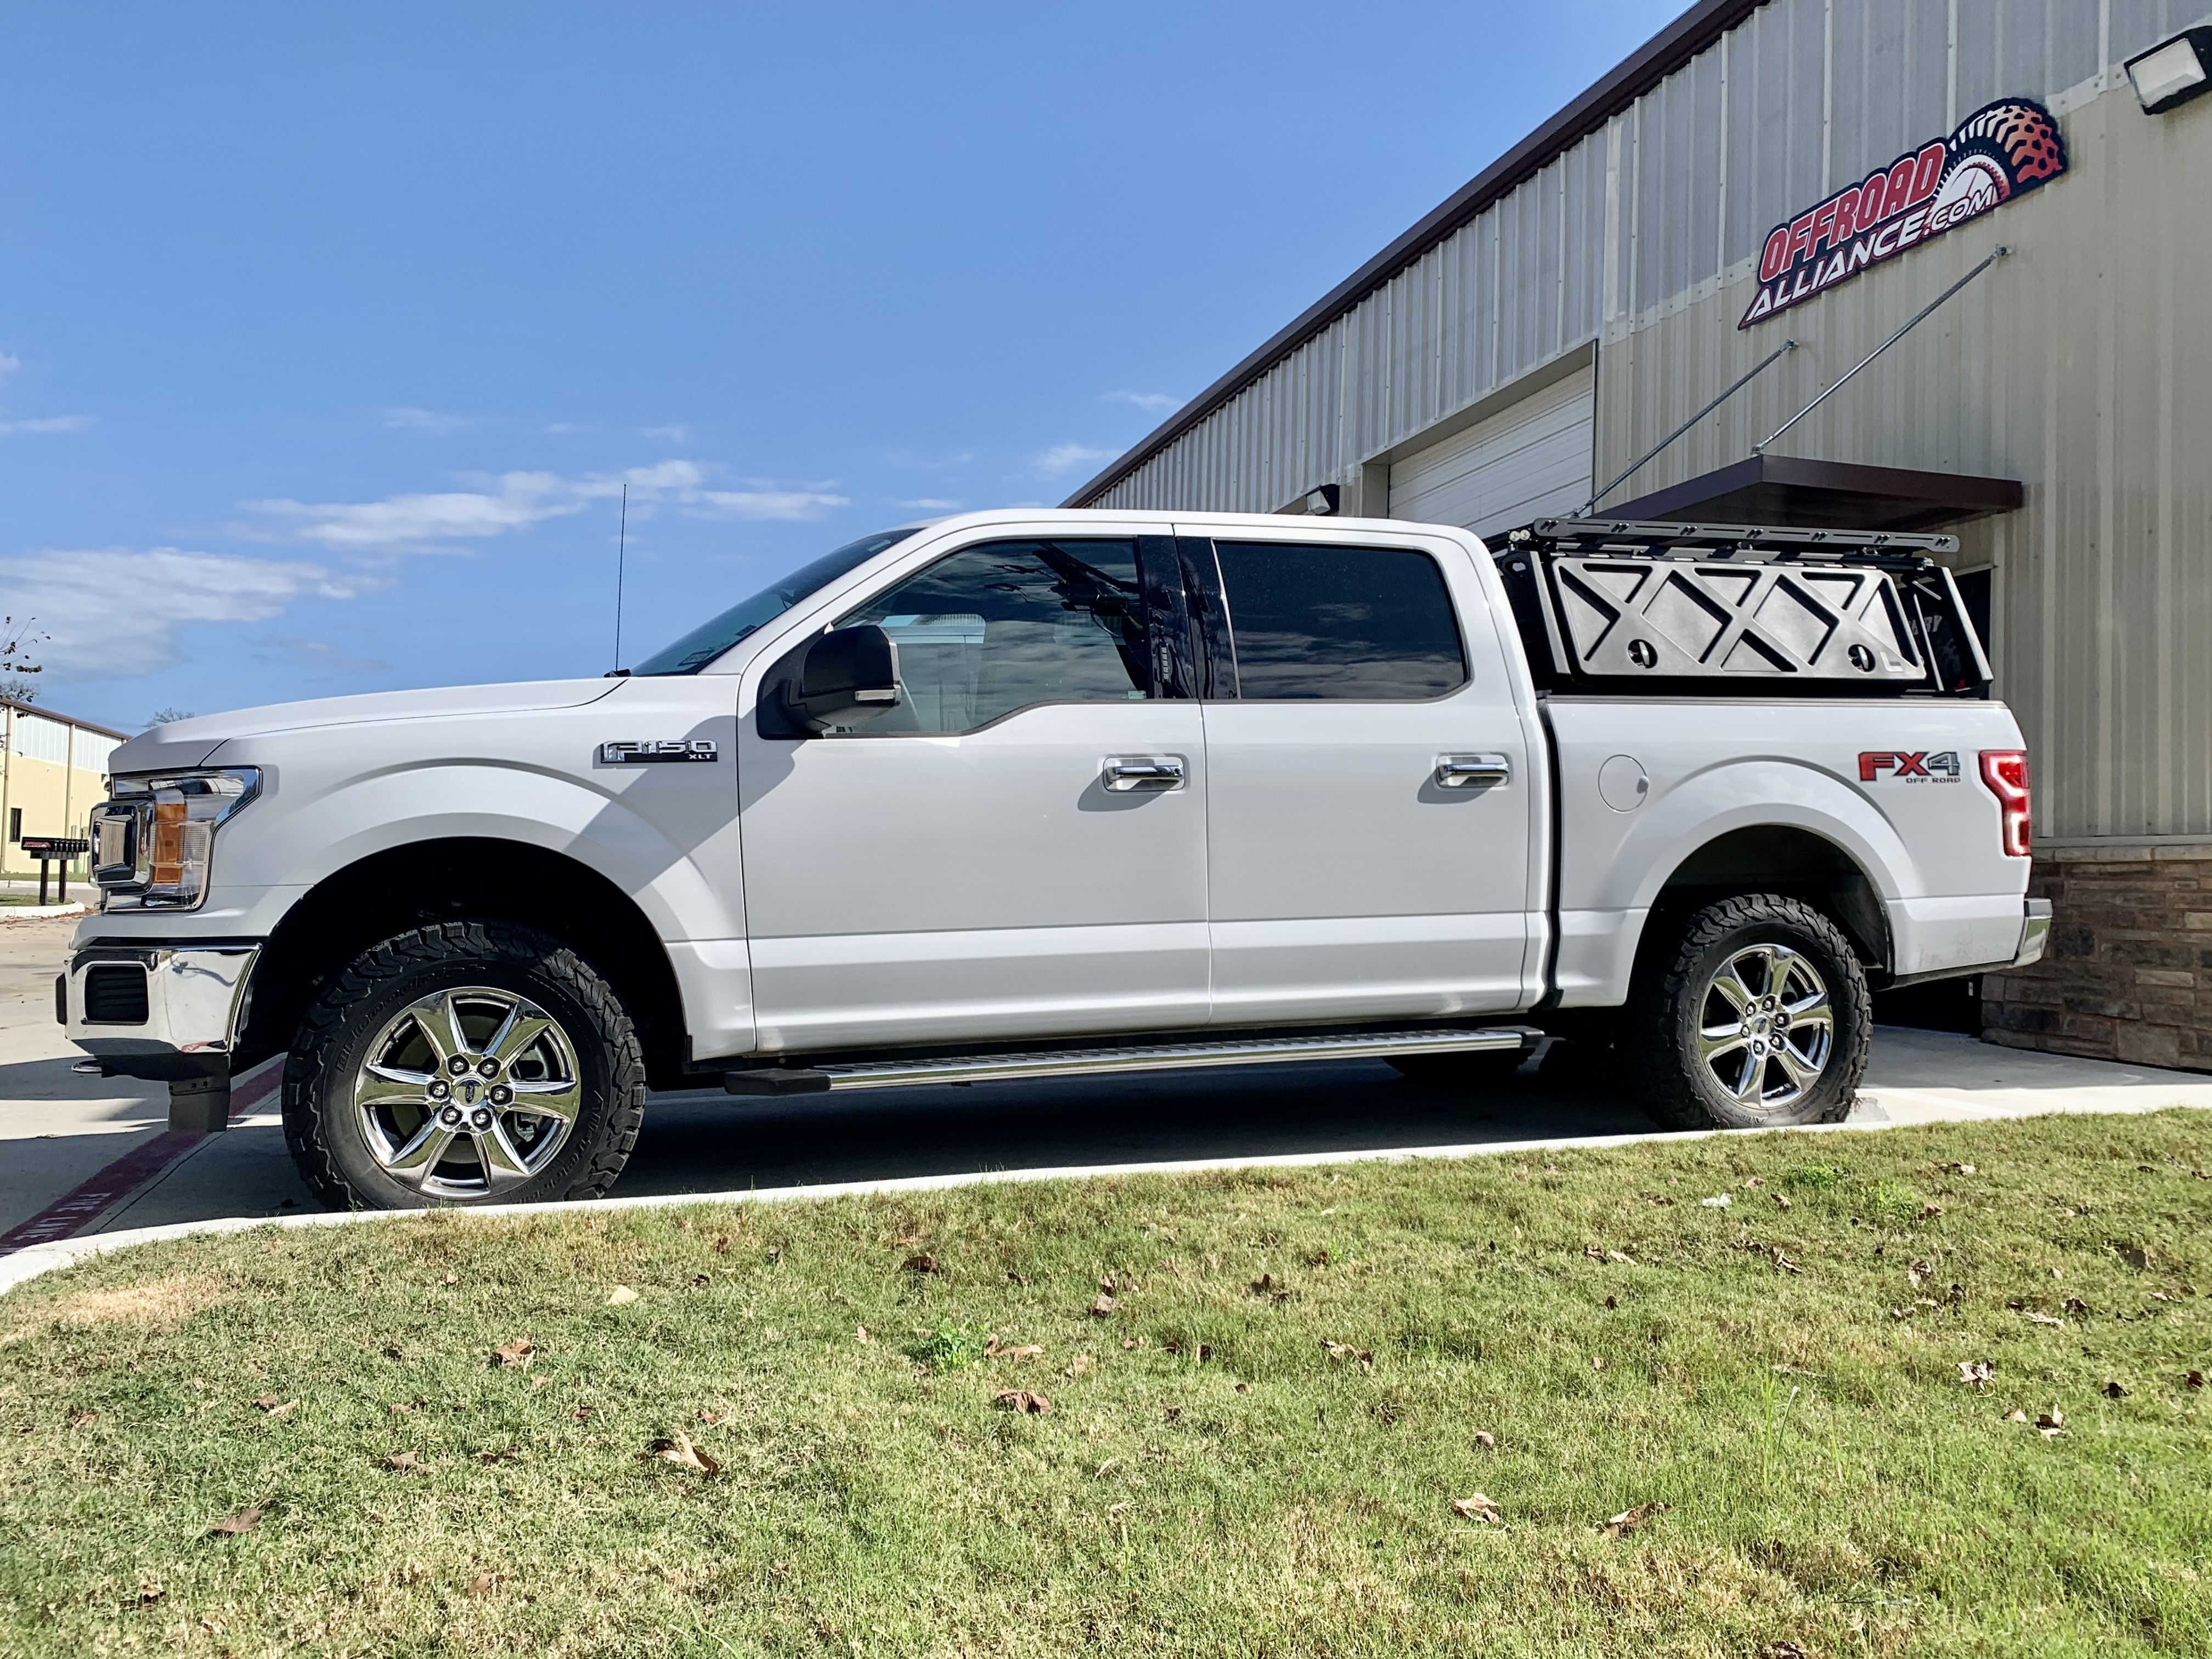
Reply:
x=1027, y=793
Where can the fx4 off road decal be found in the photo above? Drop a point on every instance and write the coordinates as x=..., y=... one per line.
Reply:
x=2000, y=150
x=1920, y=768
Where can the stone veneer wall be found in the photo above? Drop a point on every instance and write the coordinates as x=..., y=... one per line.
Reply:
x=2128, y=975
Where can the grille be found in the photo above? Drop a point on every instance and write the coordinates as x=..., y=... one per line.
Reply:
x=115, y=995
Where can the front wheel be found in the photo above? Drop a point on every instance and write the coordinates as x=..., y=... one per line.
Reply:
x=1755, y=1017
x=470, y=1062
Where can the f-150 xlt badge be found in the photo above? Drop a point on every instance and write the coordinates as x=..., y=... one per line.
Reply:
x=667, y=749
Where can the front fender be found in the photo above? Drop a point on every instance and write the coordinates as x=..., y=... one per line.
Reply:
x=664, y=860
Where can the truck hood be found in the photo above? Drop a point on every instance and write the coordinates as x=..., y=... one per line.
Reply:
x=194, y=742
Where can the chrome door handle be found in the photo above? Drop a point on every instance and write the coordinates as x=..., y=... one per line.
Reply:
x=1124, y=772
x=1473, y=771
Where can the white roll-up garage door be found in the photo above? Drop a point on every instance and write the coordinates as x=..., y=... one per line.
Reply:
x=1526, y=462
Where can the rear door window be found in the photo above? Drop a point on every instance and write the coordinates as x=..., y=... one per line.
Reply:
x=1344, y=624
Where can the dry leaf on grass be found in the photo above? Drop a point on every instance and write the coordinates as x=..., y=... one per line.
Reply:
x=2051, y=1424
x=620, y=1294
x=482, y=1583
x=1022, y=1351
x=1477, y=1508
x=2114, y=1391
x=1174, y=1345
x=678, y=1449
x=405, y=1462
x=452, y=1278
x=1781, y=1199
x=1980, y=1373
x=1027, y=1402
x=2015, y=1415
x=1243, y=1388
x=1272, y=1288
x=1103, y=1306
x=712, y=1419
x=79, y=1419
x=2193, y=1379
x=1786, y=1649
x=1628, y=1521
x=1487, y=1441
x=1959, y=1169
x=1599, y=1254
x=1082, y=1365
x=517, y=1354
x=861, y=1335
x=277, y=1409
x=2134, y=1256
x=231, y=1525
x=1345, y=1350
x=921, y=1263
x=2035, y=1318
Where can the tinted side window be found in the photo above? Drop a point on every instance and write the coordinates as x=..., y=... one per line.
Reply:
x=1001, y=626
x=1351, y=624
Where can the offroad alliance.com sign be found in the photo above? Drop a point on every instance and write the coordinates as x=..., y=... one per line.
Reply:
x=2000, y=150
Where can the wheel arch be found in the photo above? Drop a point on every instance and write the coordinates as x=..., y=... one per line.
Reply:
x=1785, y=859
x=484, y=878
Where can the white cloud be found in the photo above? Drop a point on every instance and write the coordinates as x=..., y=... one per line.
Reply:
x=931, y=504
x=115, y=612
x=770, y=503
x=415, y=523
x=516, y=501
x=47, y=423
x=674, y=434
x=1153, y=402
x=8, y=364
x=424, y=419
x=1068, y=458
x=313, y=653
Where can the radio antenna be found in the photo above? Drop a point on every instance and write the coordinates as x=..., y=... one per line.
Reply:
x=622, y=555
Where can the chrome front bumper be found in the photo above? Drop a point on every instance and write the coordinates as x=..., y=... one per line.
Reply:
x=155, y=1011
x=2034, y=932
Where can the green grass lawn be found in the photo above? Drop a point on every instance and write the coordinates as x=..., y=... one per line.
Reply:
x=1253, y=1444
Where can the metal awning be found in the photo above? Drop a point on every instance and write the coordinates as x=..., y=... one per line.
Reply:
x=1784, y=490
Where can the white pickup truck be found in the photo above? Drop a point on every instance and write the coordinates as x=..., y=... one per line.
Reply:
x=1027, y=793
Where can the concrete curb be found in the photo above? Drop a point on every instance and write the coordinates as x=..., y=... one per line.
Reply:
x=40, y=911
x=28, y=1264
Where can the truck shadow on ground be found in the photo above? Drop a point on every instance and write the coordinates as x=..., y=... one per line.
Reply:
x=709, y=1143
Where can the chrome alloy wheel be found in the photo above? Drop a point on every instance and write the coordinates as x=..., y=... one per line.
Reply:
x=468, y=1093
x=1765, y=1026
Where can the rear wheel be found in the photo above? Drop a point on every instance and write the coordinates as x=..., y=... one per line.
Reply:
x=1757, y=1018
x=473, y=1062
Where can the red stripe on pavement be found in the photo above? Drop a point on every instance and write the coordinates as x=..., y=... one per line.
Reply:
x=85, y=1203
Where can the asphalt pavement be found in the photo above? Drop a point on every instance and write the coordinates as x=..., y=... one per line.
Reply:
x=59, y=1131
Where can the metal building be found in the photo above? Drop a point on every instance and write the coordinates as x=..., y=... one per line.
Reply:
x=1819, y=172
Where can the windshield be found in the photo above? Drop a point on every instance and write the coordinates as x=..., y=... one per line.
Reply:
x=709, y=640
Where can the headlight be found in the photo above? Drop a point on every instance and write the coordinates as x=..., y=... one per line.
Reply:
x=153, y=836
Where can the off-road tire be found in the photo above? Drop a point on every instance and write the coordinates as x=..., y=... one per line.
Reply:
x=1660, y=1035
x=320, y=1127
x=1474, y=1069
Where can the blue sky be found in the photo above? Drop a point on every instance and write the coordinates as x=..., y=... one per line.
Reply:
x=329, y=335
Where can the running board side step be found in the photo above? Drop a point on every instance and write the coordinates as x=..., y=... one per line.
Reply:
x=1159, y=1057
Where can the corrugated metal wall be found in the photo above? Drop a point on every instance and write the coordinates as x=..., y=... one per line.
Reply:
x=2081, y=366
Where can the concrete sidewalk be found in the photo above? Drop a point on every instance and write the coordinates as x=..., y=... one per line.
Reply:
x=58, y=1129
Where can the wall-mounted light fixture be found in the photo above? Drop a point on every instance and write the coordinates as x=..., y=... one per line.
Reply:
x=1321, y=503
x=2173, y=71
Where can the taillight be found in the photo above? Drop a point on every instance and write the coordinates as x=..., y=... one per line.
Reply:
x=2005, y=771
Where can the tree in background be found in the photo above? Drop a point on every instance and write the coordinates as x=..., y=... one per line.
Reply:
x=163, y=716
x=15, y=646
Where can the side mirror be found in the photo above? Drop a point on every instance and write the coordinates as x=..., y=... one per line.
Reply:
x=846, y=676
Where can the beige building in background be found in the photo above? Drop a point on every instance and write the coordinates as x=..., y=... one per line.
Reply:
x=1593, y=290
x=53, y=771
